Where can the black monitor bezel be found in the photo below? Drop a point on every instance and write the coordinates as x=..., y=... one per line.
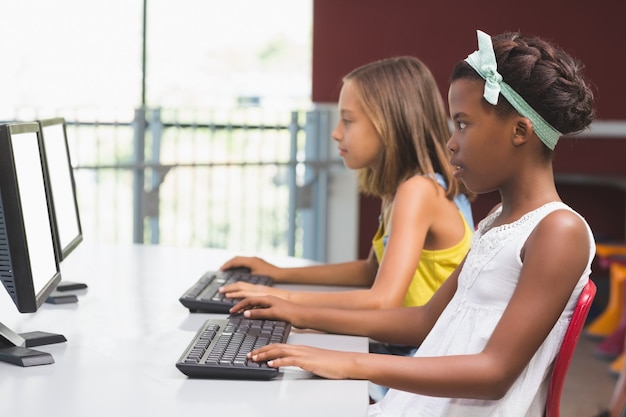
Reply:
x=62, y=251
x=23, y=292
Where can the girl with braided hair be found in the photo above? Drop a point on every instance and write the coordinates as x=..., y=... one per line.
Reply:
x=489, y=335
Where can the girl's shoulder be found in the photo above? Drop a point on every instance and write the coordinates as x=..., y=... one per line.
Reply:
x=419, y=183
x=559, y=219
x=431, y=180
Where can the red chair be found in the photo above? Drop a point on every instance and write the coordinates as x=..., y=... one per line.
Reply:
x=564, y=357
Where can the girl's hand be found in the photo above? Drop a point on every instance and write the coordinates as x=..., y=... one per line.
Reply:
x=256, y=265
x=325, y=363
x=245, y=289
x=268, y=307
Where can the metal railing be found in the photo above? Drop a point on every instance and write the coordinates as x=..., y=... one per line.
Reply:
x=242, y=179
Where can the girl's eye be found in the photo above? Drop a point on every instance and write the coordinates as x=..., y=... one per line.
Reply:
x=346, y=121
x=461, y=125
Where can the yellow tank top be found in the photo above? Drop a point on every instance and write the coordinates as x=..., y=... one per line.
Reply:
x=434, y=267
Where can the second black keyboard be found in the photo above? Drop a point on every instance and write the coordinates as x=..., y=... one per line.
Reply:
x=204, y=295
x=219, y=348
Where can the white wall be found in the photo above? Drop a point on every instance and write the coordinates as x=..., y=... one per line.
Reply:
x=343, y=201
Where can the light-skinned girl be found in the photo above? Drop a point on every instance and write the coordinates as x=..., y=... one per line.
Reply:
x=393, y=129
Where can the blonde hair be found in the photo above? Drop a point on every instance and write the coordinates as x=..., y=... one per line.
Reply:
x=401, y=98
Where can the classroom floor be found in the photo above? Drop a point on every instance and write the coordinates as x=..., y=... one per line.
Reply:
x=589, y=384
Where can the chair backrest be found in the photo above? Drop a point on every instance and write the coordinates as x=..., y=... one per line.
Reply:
x=566, y=352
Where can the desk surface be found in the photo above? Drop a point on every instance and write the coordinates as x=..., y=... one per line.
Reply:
x=125, y=335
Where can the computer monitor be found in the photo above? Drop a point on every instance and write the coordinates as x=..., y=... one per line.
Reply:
x=60, y=172
x=64, y=204
x=29, y=265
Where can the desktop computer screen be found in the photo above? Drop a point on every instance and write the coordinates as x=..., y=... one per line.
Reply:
x=29, y=265
x=63, y=190
x=64, y=204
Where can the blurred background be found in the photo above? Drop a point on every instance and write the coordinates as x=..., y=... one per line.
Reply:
x=190, y=122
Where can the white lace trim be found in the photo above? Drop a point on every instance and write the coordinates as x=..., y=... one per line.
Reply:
x=488, y=241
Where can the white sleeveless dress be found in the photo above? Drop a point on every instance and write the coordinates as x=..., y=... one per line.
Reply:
x=485, y=285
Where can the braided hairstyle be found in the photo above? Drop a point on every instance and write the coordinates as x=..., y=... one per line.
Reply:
x=549, y=79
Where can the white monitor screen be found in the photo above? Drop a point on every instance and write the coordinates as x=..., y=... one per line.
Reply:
x=34, y=206
x=61, y=183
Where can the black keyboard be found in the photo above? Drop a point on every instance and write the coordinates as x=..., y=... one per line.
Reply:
x=219, y=348
x=204, y=295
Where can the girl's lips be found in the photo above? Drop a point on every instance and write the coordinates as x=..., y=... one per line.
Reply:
x=457, y=168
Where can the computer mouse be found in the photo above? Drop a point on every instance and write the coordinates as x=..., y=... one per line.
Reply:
x=241, y=269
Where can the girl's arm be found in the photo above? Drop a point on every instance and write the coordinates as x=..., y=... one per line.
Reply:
x=554, y=258
x=404, y=325
x=417, y=203
x=358, y=273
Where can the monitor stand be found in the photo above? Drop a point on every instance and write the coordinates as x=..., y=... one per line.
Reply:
x=57, y=297
x=70, y=286
x=61, y=294
x=15, y=348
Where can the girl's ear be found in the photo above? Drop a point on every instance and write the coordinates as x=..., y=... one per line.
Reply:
x=523, y=131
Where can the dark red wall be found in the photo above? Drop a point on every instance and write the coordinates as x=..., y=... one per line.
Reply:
x=347, y=34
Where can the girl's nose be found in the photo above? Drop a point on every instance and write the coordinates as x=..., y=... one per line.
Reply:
x=336, y=135
x=451, y=144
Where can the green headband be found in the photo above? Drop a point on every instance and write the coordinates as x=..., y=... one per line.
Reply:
x=484, y=62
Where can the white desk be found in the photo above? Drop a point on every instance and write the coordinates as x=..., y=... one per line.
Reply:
x=125, y=335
